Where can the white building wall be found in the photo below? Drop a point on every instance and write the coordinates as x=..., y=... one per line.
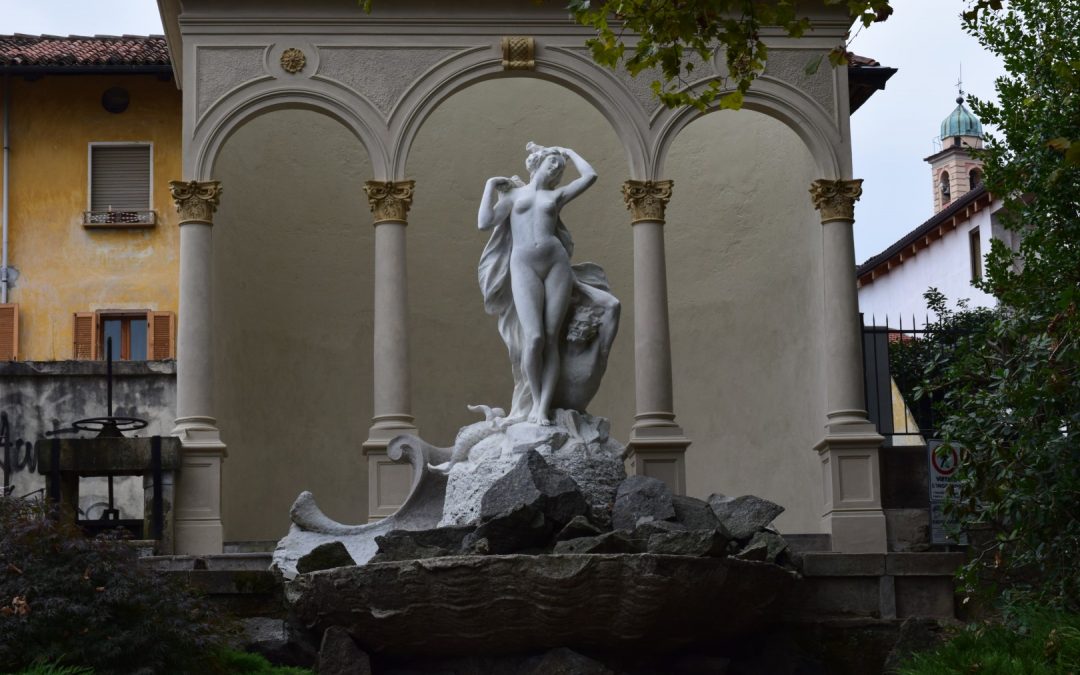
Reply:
x=945, y=265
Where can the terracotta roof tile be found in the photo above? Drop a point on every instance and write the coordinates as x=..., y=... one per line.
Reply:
x=77, y=51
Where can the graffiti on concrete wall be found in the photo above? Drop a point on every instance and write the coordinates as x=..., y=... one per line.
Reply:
x=41, y=400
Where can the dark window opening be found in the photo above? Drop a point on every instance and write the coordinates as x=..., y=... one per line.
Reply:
x=975, y=244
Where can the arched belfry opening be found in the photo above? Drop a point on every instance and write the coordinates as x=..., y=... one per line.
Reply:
x=345, y=286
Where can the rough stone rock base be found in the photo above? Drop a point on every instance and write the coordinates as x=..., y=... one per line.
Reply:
x=577, y=444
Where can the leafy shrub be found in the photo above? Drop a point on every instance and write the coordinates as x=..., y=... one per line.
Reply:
x=1029, y=641
x=72, y=600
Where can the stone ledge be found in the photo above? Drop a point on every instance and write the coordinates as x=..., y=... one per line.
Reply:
x=923, y=564
x=815, y=564
x=226, y=562
x=86, y=368
x=843, y=564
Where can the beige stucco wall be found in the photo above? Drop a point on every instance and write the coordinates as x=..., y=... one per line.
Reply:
x=744, y=274
x=292, y=298
x=292, y=320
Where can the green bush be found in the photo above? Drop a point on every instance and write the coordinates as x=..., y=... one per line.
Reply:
x=1028, y=641
x=231, y=661
x=74, y=601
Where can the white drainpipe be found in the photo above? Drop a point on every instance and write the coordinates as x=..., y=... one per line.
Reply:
x=7, y=151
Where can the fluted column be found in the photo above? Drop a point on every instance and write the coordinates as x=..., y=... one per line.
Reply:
x=657, y=444
x=197, y=522
x=849, y=450
x=388, y=482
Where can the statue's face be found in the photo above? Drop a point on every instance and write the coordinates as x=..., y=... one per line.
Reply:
x=551, y=169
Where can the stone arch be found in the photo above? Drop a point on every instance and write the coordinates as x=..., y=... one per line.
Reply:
x=581, y=77
x=247, y=102
x=778, y=100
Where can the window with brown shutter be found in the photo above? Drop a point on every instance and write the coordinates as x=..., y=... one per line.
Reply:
x=121, y=176
x=135, y=335
x=85, y=333
x=161, y=336
x=9, y=332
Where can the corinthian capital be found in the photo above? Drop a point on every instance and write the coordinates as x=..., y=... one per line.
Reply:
x=836, y=198
x=647, y=199
x=390, y=200
x=196, y=200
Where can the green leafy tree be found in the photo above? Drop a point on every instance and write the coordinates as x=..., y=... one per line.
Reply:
x=671, y=35
x=1011, y=404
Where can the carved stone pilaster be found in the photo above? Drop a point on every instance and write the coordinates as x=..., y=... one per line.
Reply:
x=519, y=53
x=195, y=200
x=390, y=200
x=647, y=199
x=836, y=198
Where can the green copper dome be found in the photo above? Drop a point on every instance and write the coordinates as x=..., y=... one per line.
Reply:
x=961, y=122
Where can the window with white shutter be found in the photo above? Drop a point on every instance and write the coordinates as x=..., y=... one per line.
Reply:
x=120, y=185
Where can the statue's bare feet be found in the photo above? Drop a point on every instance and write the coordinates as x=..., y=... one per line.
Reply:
x=539, y=418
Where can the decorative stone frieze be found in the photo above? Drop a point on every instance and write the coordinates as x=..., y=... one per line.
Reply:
x=836, y=198
x=196, y=200
x=647, y=199
x=293, y=60
x=519, y=53
x=390, y=200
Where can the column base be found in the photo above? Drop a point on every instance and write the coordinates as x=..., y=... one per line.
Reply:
x=659, y=451
x=197, y=526
x=856, y=531
x=851, y=478
x=388, y=481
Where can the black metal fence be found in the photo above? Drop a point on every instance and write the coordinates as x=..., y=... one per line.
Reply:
x=891, y=353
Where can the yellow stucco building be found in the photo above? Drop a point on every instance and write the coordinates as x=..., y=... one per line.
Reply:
x=92, y=137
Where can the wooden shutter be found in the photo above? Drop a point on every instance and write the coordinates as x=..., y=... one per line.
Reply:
x=160, y=332
x=119, y=177
x=86, y=337
x=9, y=332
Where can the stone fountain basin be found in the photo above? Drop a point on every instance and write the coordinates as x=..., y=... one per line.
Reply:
x=461, y=605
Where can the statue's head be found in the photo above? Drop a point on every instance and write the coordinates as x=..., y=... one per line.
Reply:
x=549, y=162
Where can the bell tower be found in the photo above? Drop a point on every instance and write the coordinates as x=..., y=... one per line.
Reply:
x=955, y=172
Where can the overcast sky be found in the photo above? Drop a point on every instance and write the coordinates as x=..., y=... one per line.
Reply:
x=891, y=134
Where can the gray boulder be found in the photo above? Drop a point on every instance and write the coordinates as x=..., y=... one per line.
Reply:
x=522, y=529
x=579, y=526
x=523, y=509
x=339, y=655
x=764, y=546
x=744, y=516
x=417, y=544
x=534, y=484
x=325, y=557
x=619, y=541
x=695, y=514
x=641, y=499
x=690, y=542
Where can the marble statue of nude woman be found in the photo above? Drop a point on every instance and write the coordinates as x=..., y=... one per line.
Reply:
x=529, y=283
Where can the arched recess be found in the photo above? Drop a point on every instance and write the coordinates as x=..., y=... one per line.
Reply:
x=292, y=300
x=581, y=76
x=249, y=101
x=744, y=270
x=810, y=122
x=457, y=356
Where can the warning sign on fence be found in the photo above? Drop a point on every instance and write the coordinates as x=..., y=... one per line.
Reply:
x=943, y=465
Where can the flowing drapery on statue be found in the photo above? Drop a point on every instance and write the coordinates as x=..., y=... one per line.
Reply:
x=558, y=320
